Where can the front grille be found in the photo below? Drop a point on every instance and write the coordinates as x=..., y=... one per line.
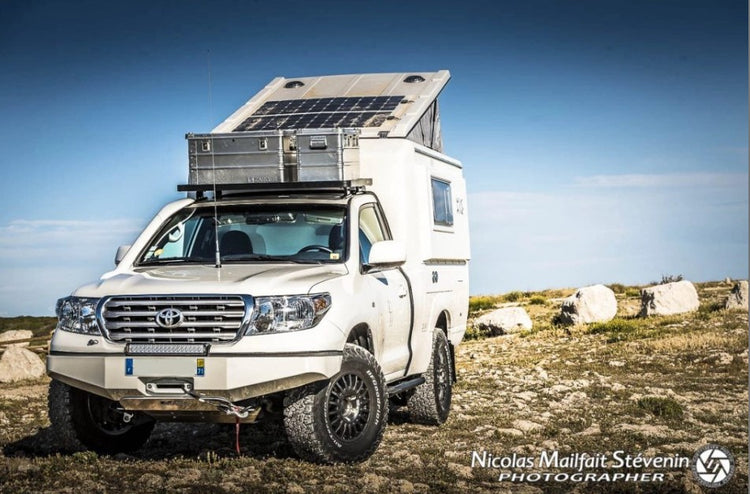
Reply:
x=200, y=318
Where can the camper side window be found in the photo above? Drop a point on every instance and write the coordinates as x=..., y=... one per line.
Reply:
x=442, y=204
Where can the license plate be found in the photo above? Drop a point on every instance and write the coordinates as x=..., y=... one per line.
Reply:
x=165, y=367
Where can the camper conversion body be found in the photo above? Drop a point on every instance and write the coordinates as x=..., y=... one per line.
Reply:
x=317, y=273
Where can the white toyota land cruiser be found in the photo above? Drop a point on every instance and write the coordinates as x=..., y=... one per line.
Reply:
x=318, y=267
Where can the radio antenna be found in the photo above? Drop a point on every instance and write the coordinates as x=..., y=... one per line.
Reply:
x=213, y=162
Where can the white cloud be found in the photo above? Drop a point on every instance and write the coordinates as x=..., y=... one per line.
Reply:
x=28, y=241
x=42, y=260
x=571, y=236
x=667, y=180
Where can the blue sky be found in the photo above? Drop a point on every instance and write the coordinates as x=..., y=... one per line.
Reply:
x=603, y=141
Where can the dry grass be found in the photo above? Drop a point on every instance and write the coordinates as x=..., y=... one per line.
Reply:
x=695, y=342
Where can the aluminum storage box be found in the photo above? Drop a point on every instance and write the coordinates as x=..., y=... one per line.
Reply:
x=302, y=155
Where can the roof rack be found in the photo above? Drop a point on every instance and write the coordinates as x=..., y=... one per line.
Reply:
x=344, y=186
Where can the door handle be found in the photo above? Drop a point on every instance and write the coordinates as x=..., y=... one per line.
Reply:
x=402, y=291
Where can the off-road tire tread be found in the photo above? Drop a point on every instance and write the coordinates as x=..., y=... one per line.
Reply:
x=73, y=433
x=59, y=407
x=422, y=404
x=299, y=415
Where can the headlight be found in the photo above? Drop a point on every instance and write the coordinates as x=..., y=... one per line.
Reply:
x=77, y=315
x=288, y=313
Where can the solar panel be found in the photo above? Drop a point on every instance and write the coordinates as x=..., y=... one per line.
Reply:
x=315, y=113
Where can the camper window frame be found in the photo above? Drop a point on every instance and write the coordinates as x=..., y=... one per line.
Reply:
x=439, y=225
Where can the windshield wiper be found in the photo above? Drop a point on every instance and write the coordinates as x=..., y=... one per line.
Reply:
x=174, y=260
x=266, y=257
x=251, y=257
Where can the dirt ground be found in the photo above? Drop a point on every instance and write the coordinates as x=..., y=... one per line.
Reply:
x=663, y=386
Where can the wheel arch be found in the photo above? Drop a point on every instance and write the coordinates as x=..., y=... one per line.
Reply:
x=443, y=321
x=361, y=335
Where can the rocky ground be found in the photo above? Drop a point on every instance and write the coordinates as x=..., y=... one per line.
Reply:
x=663, y=386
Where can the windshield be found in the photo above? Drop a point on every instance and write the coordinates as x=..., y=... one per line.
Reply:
x=251, y=233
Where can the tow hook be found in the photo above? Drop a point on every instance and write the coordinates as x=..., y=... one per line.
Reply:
x=221, y=404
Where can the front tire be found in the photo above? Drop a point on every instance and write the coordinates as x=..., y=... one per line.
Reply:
x=82, y=420
x=342, y=420
x=431, y=401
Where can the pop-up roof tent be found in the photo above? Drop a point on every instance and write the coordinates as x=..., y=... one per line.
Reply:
x=380, y=105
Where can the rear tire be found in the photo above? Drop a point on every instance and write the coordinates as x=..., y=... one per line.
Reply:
x=341, y=420
x=431, y=401
x=82, y=420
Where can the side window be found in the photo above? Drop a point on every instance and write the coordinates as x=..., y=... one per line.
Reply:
x=442, y=204
x=370, y=231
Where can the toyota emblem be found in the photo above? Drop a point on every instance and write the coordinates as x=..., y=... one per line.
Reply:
x=169, y=318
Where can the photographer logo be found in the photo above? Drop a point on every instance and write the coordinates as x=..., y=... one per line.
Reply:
x=713, y=465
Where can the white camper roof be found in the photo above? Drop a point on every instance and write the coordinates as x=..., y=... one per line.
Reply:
x=380, y=105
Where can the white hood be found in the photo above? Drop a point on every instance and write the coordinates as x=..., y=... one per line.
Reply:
x=253, y=279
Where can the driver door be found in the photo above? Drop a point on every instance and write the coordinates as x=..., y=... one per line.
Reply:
x=390, y=291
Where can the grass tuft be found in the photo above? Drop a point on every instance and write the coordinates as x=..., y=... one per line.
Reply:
x=670, y=278
x=482, y=302
x=666, y=408
x=537, y=300
x=632, y=292
x=706, y=309
x=617, y=287
x=475, y=332
x=616, y=326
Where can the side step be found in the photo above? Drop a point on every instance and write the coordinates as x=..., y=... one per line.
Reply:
x=401, y=386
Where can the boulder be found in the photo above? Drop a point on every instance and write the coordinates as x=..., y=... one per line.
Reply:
x=669, y=298
x=19, y=334
x=504, y=321
x=738, y=298
x=17, y=364
x=589, y=304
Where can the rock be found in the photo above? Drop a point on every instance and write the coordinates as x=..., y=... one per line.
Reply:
x=589, y=304
x=669, y=298
x=404, y=486
x=575, y=399
x=727, y=280
x=461, y=471
x=25, y=334
x=541, y=373
x=17, y=364
x=372, y=483
x=593, y=430
x=720, y=358
x=151, y=481
x=527, y=425
x=509, y=432
x=294, y=488
x=504, y=321
x=738, y=298
x=232, y=488
x=649, y=431
x=408, y=459
x=558, y=388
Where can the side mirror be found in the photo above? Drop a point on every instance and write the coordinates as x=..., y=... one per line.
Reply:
x=121, y=251
x=387, y=254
